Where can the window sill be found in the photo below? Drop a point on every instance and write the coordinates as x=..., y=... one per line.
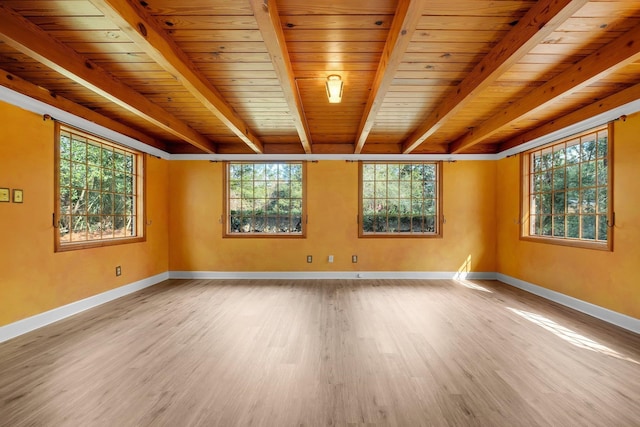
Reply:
x=66, y=247
x=583, y=244
x=400, y=235
x=264, y=236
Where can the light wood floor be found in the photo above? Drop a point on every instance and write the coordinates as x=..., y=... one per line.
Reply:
x=323, y=353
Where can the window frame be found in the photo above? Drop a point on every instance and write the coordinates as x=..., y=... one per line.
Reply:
x=140, y=206
x=439, y=216
x=525, y=195
x=226, y=232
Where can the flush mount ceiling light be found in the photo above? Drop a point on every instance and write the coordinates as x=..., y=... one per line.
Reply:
x=334, y=88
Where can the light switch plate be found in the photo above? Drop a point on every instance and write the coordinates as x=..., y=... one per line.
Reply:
x=4, y=195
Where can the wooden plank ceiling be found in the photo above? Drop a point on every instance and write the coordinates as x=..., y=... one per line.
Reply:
x=248, y=76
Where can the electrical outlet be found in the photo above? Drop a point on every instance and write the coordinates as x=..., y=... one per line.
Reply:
x=354, y=258
x=118, y=271
x=309, y=259
x=330, y=258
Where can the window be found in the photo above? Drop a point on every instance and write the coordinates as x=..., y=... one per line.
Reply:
x=567, y=191
x=400, y=199
x=99, y=191
x=265, y=199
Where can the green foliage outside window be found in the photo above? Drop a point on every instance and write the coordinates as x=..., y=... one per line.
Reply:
x=569, y=189
x=97, y=190
x=265, y=198
x=399, y=198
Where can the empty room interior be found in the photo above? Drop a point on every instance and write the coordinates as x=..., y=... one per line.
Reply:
x=342, y=213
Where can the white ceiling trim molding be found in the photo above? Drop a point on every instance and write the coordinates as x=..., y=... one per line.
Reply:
x=27, y=103
x=346, y=157
x=592, y=122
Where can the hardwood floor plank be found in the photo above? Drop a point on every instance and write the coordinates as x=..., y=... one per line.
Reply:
x=323, y=352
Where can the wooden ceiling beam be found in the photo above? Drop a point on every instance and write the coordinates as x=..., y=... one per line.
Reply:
x=405, y=21
x=539, y=22
x=268, y=18
x=13, y=82
x=154, y=41
x=609, y=58
x=609, y=103
x=22, y=35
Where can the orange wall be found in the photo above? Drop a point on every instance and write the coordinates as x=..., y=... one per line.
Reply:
x=196, y=242
x=33, y=278
x=607, y=279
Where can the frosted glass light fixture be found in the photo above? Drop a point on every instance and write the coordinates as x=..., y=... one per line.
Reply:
x=334, y=88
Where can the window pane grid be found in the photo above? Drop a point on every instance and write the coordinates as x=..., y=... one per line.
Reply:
x=399, y=198
x=97, y=189
x=265, y=198
x=568, y=188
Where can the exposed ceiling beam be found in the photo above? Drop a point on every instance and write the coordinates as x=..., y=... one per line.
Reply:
x=408, y=14
x=22, y=35
x=609, y=58
x=609, y=103
x=154, y=41
x=540, y=21
x=13, y=82
x=268, y=18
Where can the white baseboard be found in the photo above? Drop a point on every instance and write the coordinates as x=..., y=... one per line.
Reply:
x=610, y=316
x=23, y=326
x=330, y=275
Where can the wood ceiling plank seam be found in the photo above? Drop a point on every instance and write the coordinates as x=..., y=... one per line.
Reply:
x=230, y=57
x=593, y=24
x=208, y=22
x=89, y=36
x=402, y=29
x=336, y=7
x=148, y=35
x=198, y=8
x=89, y=48
x=609, y=103
x=433, y=66
x=238, y=67
x=614, y=56
x=363, y=57
x=336, y=22
x=216, y=35
x=75, y=23
x=442, y=55
x=342, y=36
x=129, y=57
x=482, y=8
x=29, y=39
x=609, y=9
x=335, y=47
x=314, y=66
x=458, y=36
x=485, y=23
x=541, y=20
x=582, y=38
x=217, y=48
x=52, y=8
